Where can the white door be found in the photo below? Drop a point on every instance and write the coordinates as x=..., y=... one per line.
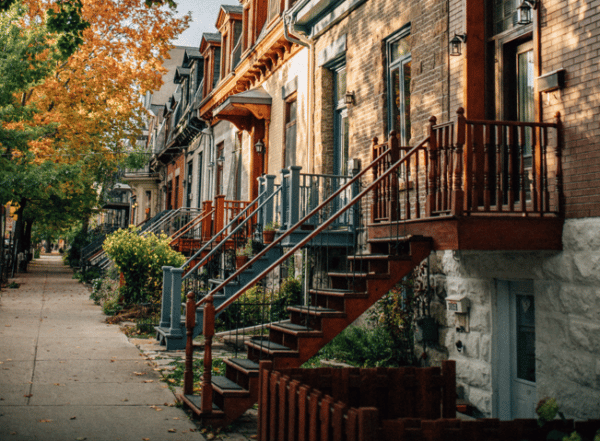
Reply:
x=515, y=350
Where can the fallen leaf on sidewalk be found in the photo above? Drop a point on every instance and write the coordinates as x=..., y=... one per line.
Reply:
x=72, y=418
x=45, y=421
x=8, y=326
x=112, y=361
x=172, y=430
x=124, y=399
x=148, y=381
x=145, y=439
x=28, y=395
x=58, y=384
x=176, y=418
x=140, y=373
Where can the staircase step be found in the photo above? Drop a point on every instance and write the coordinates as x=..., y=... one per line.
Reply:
x=296, y=330
x=317, y=311
x=194, y=402
x=226, y=387
x=385, y=257
x=359, y=275
x=270, y=347
x=244, y=365
x=339, y=293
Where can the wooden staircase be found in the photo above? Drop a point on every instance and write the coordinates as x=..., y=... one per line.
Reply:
x=291, y=343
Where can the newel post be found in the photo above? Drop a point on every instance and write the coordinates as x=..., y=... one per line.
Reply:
x=283, y=196
x=165, y=307
x=432, y=176
x=176, y=279
x=208, y=332
x=457, y=203
x=207, y=223
x=190, y=323
x=375, y=210
x=219, y=213
x=294, y=197
x=394, y=207
x=268, y=208
x=559, y=178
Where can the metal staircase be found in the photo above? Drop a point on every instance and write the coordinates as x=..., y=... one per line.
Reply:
x=344, y=285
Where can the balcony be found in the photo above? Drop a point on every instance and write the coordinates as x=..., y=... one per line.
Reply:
x=474, y=185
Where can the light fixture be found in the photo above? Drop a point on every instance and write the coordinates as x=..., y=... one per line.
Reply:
x=259, y=147
x=525, y=12
x=456, y=43
x=350, y=98
x=221, y=160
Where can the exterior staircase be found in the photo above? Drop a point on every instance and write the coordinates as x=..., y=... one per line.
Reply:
x=292, y=342
x=331, y=305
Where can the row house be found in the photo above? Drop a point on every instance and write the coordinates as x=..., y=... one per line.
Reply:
x=474, y=125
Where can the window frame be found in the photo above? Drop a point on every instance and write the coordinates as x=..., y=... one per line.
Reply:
x=288, y=124
x=391, y=66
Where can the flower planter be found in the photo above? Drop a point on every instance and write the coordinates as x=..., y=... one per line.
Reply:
x=268, y=236
x=240, y=261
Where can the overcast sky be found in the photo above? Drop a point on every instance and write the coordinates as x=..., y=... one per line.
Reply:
x=204, y=17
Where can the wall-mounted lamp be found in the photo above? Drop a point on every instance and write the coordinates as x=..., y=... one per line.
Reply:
x=350, y=100
x=221, y=160
x=456, y=44
x=525, y=12
x=259, y=147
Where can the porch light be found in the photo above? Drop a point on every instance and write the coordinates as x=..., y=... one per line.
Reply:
x=221, y=160
x=350, y=98
x=525, y=12
x=456, y=43
x=259, y=147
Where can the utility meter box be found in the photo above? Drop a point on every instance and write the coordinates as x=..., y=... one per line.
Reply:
x=457, y=303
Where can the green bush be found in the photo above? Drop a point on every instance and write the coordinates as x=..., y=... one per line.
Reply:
x=140, y=258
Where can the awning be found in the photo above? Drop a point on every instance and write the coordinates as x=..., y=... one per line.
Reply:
x=243, y=109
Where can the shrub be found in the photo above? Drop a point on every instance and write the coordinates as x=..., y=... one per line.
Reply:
x=140, y=258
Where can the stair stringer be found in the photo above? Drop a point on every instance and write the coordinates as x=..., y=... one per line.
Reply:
x=377, y=287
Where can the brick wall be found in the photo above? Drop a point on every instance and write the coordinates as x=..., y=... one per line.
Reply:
x=366, y=30
x=571, y=40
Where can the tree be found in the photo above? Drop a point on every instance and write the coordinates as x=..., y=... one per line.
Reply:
x=70, y=111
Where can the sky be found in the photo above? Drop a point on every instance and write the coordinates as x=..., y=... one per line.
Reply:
x=204, y=17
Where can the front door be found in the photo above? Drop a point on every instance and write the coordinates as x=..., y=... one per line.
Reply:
x=516, y=387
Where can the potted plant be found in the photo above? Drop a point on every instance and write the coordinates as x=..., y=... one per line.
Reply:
x=269, y=231
x=242, y=254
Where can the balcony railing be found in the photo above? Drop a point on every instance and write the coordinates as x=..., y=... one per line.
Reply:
x=472, y=167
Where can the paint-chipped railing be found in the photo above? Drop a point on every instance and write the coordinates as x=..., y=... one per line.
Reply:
x=472, y=167
x=350, y=403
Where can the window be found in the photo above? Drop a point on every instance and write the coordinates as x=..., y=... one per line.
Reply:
x=200, y=180
x=340, y=120
x=220, y=153
x=289, y=154
x=190, y=176
x=399, y=77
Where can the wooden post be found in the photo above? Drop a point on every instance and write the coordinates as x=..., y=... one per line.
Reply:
x=208, y=332
x=487, y=143
x=432, y=179
x=558, y=184
x=190, y=323
x=207, y=223
x=219, y=213
x=394, y=203
x=457, y=204
x=377, y=192
x=368, y=420
x=449, y=389
x=265, y=368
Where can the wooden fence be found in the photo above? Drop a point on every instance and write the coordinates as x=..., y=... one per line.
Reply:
x=349, y=404
x=411, y=429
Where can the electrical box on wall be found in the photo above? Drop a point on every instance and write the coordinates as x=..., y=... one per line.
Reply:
x=457, y=303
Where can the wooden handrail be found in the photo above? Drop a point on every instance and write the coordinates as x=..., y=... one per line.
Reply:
x=187, y=227
x=316, y=231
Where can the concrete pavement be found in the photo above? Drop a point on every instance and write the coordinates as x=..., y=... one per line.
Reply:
x=67, y=375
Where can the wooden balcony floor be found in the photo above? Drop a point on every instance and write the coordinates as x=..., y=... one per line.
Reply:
x=479, y=232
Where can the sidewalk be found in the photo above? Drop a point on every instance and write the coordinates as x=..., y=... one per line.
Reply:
x=67, y=375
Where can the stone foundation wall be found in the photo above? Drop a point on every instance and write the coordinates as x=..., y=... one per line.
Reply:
x=567, y=302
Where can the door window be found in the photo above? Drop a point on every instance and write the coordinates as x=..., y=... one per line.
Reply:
x=340, y=156
x=399, y=78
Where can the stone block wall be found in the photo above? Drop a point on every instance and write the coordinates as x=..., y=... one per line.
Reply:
x=567, y=302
